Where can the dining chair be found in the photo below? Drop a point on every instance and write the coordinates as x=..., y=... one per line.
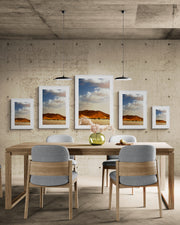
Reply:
x=50, y=167
x=137, y=167
x=60, y=138
x=110, y=162
x=1, y=192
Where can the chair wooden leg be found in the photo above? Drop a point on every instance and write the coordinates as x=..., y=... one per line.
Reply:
x=76, y=195
x=132, y=191
x=102, y=188
x=70, y=202
x=26, y=202
x=159, y=191
x=144, y=196
x=45, y=190
x=117, y=203
x=160, y=203
x=107, y=177
x=1, y=192
x=110, y=193
x=41, y=196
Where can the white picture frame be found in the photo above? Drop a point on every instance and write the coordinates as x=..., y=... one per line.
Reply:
x=54, y=107
x=93, y=100
x=132, y=109
x=160, y=117
x=22, y=113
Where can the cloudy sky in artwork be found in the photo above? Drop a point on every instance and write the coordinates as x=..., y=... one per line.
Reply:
x=22, y=110
x=133, y=104
x=161, y=114
x=54, y=101
x=94, y=94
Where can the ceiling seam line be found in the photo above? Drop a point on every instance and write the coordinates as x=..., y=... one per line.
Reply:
x=42, y=19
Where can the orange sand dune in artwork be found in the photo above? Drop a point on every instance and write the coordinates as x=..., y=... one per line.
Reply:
x=132, y=118
x=160, y=122
x=92, y=114
x=53, y=116
x=22, y=121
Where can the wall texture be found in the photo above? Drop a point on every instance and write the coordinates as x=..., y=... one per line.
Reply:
x=153, y=65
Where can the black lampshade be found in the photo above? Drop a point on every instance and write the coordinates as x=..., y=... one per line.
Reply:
x=123, y=78
x=63, y=78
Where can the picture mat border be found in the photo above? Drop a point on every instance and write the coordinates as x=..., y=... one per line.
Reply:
x=144, y=126
x=154, y=126
x=22, y=100
x=77, y=77
x=41, y=126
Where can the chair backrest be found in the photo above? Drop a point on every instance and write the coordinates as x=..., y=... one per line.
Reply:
x=127, y=138
x=136, y=162
x=50, y=160
x=49, y=153
x=116, y=139
x=59, y=138
x=137, y=153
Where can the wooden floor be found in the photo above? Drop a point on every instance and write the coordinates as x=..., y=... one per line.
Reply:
x=93, y=207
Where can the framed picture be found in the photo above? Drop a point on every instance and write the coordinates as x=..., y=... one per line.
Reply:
x=22, y=113
x=53, y=107
x=160, y=117
x=132, y=110
x=93, y=100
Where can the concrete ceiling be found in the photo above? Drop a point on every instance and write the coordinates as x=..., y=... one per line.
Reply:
x=89, y=19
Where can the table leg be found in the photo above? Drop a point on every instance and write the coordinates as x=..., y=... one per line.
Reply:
x=162, y=172
x=8, y=181
x=9, y=202
x=171, y=180
x=25, y=170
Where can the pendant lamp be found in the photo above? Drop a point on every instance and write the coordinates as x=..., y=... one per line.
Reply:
x=63, y=77
x=123, y=77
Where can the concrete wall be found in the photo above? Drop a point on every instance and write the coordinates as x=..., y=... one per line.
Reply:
x=153, y=65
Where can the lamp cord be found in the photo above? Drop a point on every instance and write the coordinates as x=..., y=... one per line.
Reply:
x=63, y=42
x=123, y=43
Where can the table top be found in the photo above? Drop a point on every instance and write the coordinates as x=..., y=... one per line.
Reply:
x=162, y=148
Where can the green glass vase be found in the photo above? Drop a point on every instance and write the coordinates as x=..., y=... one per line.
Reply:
x=96, y=139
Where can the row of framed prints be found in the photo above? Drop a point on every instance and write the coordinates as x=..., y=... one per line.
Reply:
x=93, y=104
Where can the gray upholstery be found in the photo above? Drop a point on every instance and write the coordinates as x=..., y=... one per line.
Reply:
x=135, y=181
x=50, y=153
x=59, y=138
x=74, y=162
x=0, y=165
x=52, y=180
x=116, y=139
x=136, y=153
x=110, y=162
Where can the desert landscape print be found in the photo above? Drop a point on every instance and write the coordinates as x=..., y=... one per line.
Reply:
x=54, y=107
x=22, y=114
x=94, y=100
x=132, y=109
x=161, y=117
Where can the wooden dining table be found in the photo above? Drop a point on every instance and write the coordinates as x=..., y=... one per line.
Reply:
x=24, y=149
